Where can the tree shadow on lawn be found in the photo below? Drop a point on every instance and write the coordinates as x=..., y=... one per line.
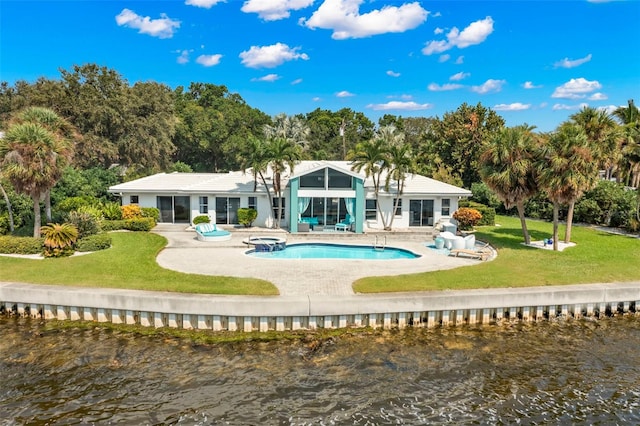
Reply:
x=512, y=237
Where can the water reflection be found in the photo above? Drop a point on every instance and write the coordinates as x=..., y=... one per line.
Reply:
x=550, y=372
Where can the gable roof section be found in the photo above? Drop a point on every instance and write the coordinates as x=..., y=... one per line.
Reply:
x=306, y=167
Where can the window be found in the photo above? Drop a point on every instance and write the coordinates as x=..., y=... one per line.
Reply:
x=326, y=178
x=338, y=180
x=252, y=203
x=133, y=199
x=399, y=208
x=278, y=204
x=371, y=212
x=204, y=205
x=446, y=206
x=313, y=180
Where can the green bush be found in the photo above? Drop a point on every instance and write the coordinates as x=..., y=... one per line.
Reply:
x=85, y=223
x=488, y=213
x=203, y=219
x=112, y=225
x=74, y=203
x=21, y=245
x=484, y=195
x=94, y=243
x=111, y=211
x=246, y=216
x=587, y=211
x=4, y=224
x=151, y=212
x=142, y=224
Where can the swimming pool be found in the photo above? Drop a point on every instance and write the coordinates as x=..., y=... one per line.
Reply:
x=334, y=251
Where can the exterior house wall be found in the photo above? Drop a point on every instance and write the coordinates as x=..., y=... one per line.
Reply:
x=404, y=220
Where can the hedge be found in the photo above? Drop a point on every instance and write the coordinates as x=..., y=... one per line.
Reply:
x=94, y=242
x=140, y=224
x=488, y=213
x=21, y=245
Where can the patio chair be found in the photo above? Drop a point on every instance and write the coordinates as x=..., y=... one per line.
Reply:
x=481, y=253
x=344, y=224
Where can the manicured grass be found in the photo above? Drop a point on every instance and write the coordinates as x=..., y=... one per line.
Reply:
x=130, y=263
x=597, y=257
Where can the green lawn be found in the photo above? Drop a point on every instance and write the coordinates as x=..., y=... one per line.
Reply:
x=130, y=263
x=597, y=257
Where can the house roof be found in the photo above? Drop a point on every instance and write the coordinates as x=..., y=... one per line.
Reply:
x=243, y=182
x=191, y=183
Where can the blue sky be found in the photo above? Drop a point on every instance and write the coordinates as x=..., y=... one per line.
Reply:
x=534, y=62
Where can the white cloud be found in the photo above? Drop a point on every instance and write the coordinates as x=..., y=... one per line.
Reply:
x=598, y=97
x=400, y=106
x=344, y=19
x=609, y=109
x=530, y=85
x=438, y=31
x=516, y=106
x=460, y=60
x=393, y=73
x=576, y=88
x=445, y=87
x=209, y=60
x=564, y=107
x=344, y=94
x=268, y=78
x=489, y=86
x=184, y=57
x=444, y=58
x=475, y=33
x=316, y=99
x=273, y=10
x=203, y=3
x=270, y=56
x=161, y=28
x=296, y=81
x=568, y=63
x=459, y=76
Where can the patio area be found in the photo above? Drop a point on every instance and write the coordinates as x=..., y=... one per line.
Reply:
x=297, y=277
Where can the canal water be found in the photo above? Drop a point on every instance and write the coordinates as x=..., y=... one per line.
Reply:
x=552, y=372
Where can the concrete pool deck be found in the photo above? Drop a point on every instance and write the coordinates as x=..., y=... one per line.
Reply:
x=298, y=277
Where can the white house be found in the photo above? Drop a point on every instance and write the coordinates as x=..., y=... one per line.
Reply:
x=316, y=195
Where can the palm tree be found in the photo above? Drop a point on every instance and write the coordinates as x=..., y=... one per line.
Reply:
x=629, y=118
x=371, y=157
x=255, y=159
x=33, y=153
x=291, y=128
x=603, y=135
x=280, y=153
x=566, y=170
x=59, y=239
x=507, y=166
x=401, y=163
x=9, y=208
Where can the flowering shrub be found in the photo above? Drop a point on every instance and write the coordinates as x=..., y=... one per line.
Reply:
x=131, y=211
x=467, y=218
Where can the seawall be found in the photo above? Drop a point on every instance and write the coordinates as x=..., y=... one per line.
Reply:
x=281, y=313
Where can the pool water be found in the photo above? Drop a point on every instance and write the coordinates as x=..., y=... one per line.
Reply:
x=335, y=251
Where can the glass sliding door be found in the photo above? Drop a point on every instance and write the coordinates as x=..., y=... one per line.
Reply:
x=174, y=209
x=165, y=205
x=182, y=209
x=233, y=206
x=421, y=212
x=227, y=210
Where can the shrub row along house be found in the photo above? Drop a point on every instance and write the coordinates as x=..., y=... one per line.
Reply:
x=316, y=195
